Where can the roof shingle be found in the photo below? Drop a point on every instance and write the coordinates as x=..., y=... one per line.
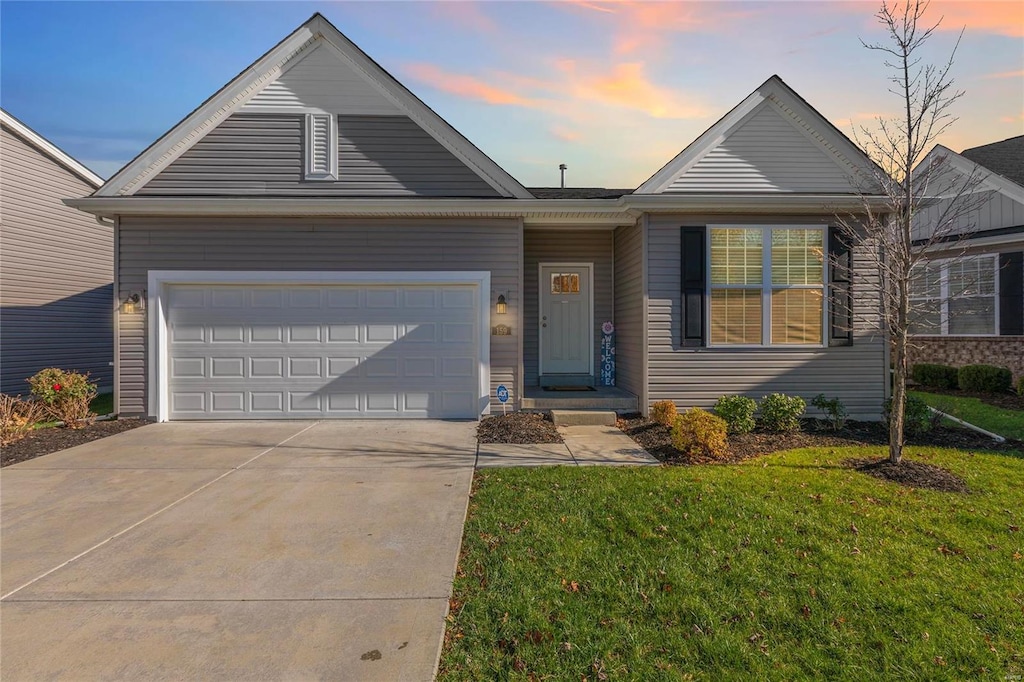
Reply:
x=1005, y=158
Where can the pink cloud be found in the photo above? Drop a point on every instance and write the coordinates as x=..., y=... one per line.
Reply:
x=464, y=86
x=1004, y=74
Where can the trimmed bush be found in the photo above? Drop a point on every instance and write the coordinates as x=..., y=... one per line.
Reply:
x=835, y=411
x=697, y=433
x=917, y=418
x=1020, y=385
x=737, y=411
x=985, y=379
x=17, y=418
x=64, y=395
x=935, y=376
x=781, y=412
x=664, y=412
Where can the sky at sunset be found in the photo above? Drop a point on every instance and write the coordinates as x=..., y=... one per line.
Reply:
x=613, y=89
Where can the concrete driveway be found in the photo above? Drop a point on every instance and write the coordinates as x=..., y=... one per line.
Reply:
x=268, y=550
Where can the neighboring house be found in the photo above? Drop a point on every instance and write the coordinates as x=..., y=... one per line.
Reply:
x=970, y=295
x=314, y=241
x=56, y=264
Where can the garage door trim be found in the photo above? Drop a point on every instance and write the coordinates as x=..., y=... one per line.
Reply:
x=160, y=280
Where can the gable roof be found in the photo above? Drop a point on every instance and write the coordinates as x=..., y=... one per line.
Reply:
x=1005, y=158
x=788, y=147
x=988, y=181
x=49, y=149
x=314, y=35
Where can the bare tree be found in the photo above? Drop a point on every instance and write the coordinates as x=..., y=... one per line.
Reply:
x=919, y=204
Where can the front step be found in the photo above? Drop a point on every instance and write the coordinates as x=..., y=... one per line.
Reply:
x=582, y=418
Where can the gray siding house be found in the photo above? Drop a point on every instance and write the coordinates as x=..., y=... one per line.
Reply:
x=314, y=241
x=56, y=264
x=970, y=293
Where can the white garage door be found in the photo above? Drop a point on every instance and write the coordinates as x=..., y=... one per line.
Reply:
x=336, y=351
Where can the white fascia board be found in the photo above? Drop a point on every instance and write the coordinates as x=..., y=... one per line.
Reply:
x=617, y=212
x=49, y=149
x=196, y=125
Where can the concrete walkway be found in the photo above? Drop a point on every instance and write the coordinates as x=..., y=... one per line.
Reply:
x=583, y=446
x=234, y=551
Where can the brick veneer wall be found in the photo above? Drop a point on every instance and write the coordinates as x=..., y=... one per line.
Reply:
x=1003, y=351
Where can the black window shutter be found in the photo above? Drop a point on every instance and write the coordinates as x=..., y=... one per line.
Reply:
x=693, y=285
x=840, y=259
x=1011, y=294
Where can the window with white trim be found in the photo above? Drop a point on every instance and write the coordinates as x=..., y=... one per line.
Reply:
x=956, y=297
x=767, y=285
x=321, y=149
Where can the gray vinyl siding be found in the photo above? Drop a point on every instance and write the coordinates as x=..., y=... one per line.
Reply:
x=321, y=79
x=629, y=309
x=767, y=153
x=549, y=245
x=56, y=272
x=855, y=374
x=313, y=244
x=261, y=155
x=987, y=211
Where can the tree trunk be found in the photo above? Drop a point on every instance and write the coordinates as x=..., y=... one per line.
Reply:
x=897, y=412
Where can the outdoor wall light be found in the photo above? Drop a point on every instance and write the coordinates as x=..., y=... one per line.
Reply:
x=133, y=304
x=501, y=307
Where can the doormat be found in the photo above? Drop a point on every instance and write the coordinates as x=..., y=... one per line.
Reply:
x=569, y=388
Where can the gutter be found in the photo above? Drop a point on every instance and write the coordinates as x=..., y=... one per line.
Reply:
x=623, y=211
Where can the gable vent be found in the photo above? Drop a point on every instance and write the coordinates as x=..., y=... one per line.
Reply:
x=321, y=147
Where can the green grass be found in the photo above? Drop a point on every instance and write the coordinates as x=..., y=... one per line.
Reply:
x=1006, y=423
x=784, y=567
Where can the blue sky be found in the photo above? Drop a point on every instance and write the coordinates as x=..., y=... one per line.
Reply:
x=613, y=89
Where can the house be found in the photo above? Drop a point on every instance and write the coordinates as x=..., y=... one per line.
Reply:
x=315, y=241
x=970, y=294
x=56, y=264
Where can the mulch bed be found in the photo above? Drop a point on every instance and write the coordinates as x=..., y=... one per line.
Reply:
x=1007, y=401
x=657, y=440
x=520, y=428
x=44, y=441
x=910, y=473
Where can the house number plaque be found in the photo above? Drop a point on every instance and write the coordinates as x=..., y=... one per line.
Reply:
x=502, y=330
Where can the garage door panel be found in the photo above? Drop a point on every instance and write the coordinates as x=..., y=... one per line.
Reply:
x=269, y=352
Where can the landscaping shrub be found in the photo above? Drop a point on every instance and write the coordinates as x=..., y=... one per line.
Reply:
x=737, y=411
x=1020, y=385
x=917, y=418
x=835, y=411
x=17, y=418
x=697, y=432
x=664, y=412
x=64, y=395
x=935, y=376
x=781, y=412
x=985, y=378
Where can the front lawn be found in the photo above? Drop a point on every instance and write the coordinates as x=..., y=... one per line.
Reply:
x=1005, y=422
x=788, y=566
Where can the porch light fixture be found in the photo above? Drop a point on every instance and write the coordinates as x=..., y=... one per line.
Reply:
x=135, y=303
x=501, y=307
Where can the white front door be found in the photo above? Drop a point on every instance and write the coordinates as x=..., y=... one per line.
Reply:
x=566, y=319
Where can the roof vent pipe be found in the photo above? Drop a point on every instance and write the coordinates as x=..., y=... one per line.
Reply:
x=562, y=168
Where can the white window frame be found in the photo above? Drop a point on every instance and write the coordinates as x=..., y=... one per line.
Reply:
x=945, y=297
x=332, y=148
x=766, y=287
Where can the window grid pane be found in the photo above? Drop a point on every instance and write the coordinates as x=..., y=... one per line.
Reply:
x=736, y=256
x=798, y=257
x=972, y=277
x=972, y=315
x=797, y=316
x=736, y=316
